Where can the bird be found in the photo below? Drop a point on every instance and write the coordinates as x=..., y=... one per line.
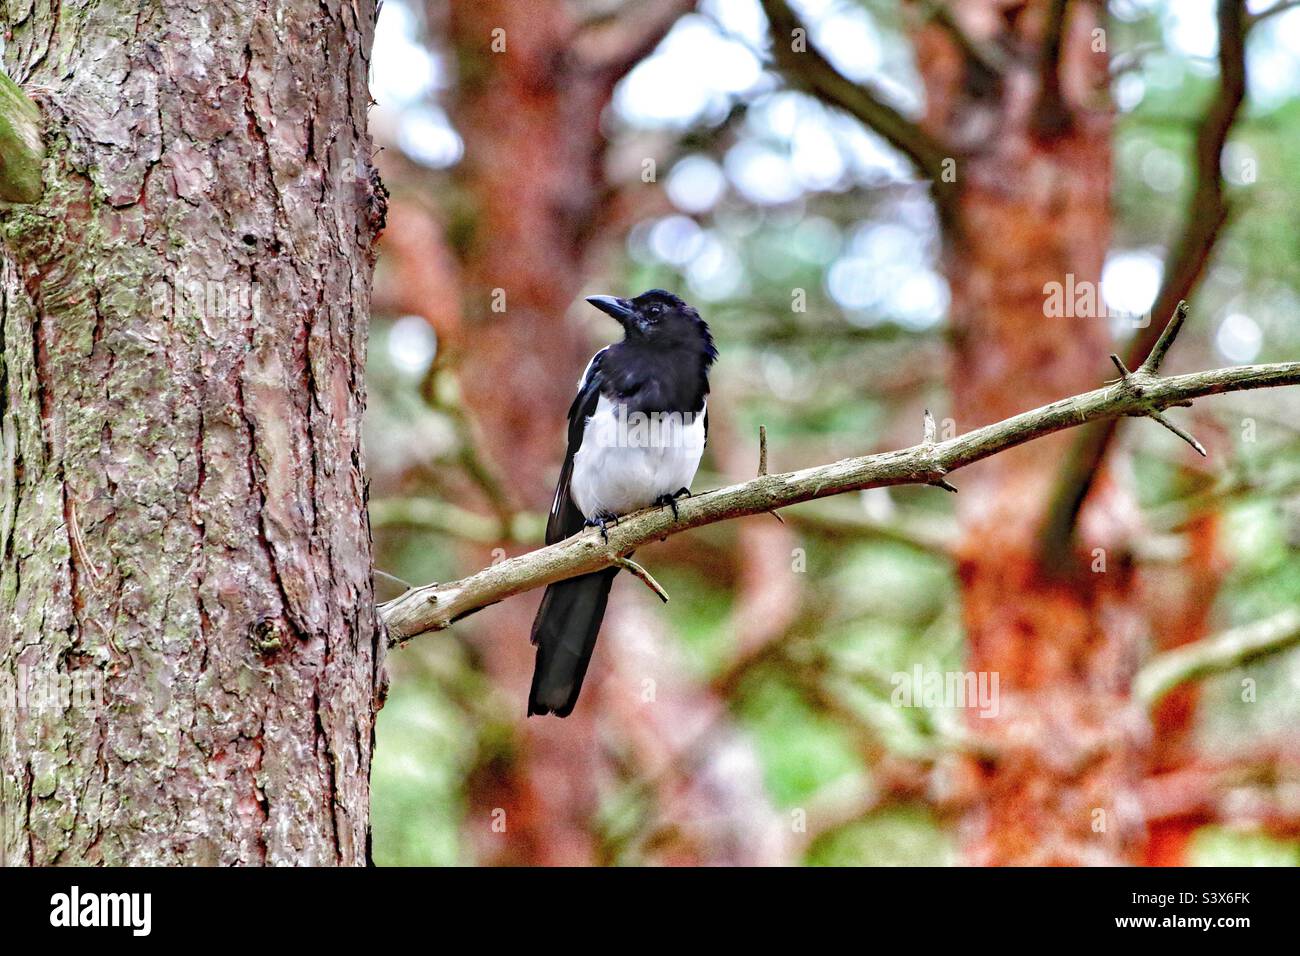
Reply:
x=637, y=430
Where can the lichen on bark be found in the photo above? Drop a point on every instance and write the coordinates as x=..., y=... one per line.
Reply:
x=22, y=149
x=182, y=524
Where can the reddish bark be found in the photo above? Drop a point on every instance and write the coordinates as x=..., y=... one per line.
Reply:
x=529, y=104
x=182, y=347
x=1185, y=595
x=1034, y=208
x=531, y=175
x=418, y=274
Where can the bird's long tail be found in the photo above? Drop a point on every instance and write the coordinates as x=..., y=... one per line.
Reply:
x=565, y=634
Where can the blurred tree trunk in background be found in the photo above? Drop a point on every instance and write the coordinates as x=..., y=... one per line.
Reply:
x=1016, y=144
x=1060, y=629
x=184, y=538
x=531, y=182
x=535, y=205
x=1186, y=591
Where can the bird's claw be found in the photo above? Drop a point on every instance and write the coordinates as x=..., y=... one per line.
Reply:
x=601, y=522
x=670, y=501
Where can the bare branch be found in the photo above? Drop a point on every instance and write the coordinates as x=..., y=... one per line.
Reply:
x=1207, y=212
x=1185, y=436
x=1051, y=115
x=641, y=573
x=1214, y=655
x=615, y=42
x=1149, y=369
x=1152, y=363
x=1234, y=485
x=988, y=60
x=1208, y=207
x=1244, y=787
x=1282, y=6
x=432, y=514
x=405, y=584
x=442, y=391
x=925, y=533
x=762, y=461
x=929, y=431
x=807, y=67
x=437, y=606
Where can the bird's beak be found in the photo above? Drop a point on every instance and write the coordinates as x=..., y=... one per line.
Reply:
x=618, y=308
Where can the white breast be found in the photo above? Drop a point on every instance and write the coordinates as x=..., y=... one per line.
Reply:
x=628, y=460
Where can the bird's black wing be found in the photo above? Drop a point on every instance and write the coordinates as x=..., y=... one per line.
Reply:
x=565, y=518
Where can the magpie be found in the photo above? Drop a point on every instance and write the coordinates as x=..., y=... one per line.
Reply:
x=637, y=429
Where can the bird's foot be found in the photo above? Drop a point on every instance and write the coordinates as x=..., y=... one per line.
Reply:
x=670, y=501
x=601, y=521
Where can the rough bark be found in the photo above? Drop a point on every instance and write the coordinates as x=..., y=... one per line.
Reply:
x=184, y=531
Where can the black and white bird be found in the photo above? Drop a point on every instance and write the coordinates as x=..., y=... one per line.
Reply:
x=636, y=433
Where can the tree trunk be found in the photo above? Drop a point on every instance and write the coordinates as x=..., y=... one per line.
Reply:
x=183, y=539
x=537, y=204
x=1060, y=632
x=529, y=117
x=1193, y=583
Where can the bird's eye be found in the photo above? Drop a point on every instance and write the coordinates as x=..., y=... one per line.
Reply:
x=654, y=310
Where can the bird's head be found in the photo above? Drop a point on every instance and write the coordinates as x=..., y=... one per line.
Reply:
x=659, y=319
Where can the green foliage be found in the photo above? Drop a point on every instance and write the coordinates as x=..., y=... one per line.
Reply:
x=700, y=620
x=819, y=379
x=803, y=750
x=417, y=806
x=1218, y=846
x=426, y=743
x=899, y=836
